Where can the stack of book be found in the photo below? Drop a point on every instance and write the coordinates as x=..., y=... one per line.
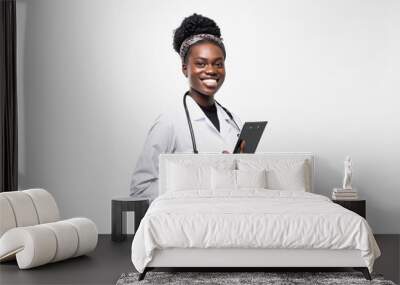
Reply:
x=344, y=194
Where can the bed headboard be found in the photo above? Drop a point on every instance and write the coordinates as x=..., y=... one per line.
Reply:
x=214, y=157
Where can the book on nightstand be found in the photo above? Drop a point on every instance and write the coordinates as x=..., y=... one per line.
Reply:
x=344, y=194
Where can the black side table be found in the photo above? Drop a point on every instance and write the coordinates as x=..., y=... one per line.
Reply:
x=119, y=207
x=357, y=206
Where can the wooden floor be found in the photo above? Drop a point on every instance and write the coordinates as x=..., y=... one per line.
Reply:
x=110, y=260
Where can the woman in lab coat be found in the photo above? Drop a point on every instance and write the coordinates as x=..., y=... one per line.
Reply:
x=200, y=124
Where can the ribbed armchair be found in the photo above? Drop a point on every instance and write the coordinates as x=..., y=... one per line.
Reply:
x=31, y=230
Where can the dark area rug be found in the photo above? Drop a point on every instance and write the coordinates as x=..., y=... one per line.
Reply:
x=269, y=278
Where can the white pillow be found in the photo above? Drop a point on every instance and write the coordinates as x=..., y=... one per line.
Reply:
x=223, y=179
x=192, y=173
x=227, y=179
x=181, y=177
x=282, y=174
x=251, y=178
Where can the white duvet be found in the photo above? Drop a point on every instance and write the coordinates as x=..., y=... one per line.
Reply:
x=252, y=218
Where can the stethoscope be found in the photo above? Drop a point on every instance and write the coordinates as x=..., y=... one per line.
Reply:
x=190, y=122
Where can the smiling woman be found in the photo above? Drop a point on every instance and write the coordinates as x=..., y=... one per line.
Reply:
x=205, y=70
x=201, y=123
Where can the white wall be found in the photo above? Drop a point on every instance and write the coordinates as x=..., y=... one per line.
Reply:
x=93, y=75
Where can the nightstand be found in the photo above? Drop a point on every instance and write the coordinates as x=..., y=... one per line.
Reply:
x=119, y=207
x=357, y=206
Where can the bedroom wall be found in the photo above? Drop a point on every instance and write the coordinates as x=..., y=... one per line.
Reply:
x=94, y=74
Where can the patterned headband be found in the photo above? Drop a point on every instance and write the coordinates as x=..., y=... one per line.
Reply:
x=196, y=38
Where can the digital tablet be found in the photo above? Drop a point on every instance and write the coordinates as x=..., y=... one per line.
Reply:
x=251, y=133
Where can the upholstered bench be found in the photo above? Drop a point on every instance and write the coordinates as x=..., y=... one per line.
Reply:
x=32, y=233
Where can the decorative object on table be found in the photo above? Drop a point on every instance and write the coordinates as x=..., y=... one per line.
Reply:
x=119, y=207
x=348, y=173
x=248, y=278
x=346, y=192
x=357, y=206
x=31, y=230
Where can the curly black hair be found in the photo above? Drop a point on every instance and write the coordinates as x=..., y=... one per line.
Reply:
x=194, y=25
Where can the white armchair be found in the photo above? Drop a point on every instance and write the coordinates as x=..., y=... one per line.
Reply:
x=31, y=230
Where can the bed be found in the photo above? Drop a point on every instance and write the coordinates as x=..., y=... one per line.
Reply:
x=244, y=211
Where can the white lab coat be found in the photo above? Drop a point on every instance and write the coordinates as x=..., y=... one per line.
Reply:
x=170, y=134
